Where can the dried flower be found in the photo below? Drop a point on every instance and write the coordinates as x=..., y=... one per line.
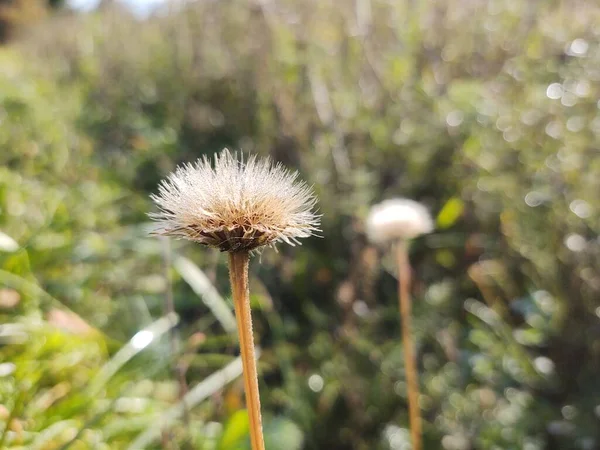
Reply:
x=237, y=205
x=397, y=218
x=393, y=222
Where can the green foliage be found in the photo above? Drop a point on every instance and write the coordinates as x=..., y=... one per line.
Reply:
x=485, y=111
x=235, y=431
x=450, y=213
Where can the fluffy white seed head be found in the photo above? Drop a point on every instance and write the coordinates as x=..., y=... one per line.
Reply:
x=235, y=205
x=397, y=218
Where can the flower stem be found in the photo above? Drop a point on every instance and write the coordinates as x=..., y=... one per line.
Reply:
x=238, y=273
x=410, y=365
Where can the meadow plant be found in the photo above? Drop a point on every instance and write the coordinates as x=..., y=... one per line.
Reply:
x=238, y=207
x=394, y=222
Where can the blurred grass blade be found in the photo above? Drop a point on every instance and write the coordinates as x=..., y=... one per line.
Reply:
x=27, y=287
x=12, y=333
x=14, y=412
x=136, y=344
x=88, y=424
x=196, y=395
x=54, y=430
x=202, y=286
x=7, y=243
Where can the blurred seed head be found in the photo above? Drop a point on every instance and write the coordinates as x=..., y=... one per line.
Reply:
x=235, y=205
x=397, y=218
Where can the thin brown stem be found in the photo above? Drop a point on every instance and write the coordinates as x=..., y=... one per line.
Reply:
x=410, y=364
x=238, y=273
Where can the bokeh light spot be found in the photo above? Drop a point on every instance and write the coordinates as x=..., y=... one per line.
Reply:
x=316, y=383
x=142, y=339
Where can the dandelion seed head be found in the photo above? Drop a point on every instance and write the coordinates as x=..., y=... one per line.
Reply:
x=397, y=218
x=235, y=205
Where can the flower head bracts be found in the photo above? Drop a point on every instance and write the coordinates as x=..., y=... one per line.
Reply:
x=236, y=205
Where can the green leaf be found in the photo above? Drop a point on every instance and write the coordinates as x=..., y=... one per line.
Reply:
x=235, y=432
x=450, y=213
x=17, y=263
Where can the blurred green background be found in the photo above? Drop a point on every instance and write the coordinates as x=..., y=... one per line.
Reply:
x=486, y=111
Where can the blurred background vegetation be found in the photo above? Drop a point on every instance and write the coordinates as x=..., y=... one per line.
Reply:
x=486, y=111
